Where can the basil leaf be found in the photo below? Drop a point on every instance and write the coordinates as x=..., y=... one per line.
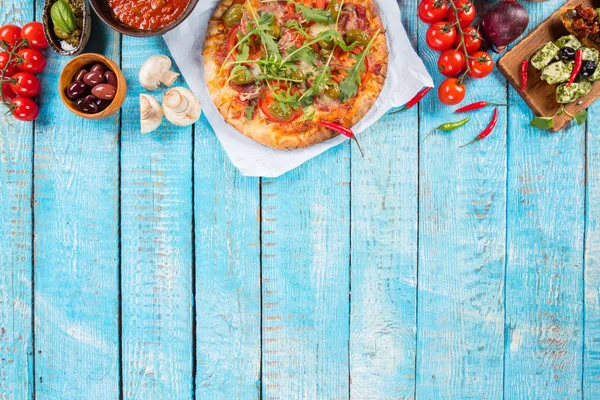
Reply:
x=580, y=117
x=542, y=122
x=63, y=17
x=314, y=14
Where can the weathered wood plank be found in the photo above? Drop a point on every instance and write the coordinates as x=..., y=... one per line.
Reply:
x=591, y=340
x=76, y=245
x=156, y=245
x=16, y=162
x=544, y=272
x=305, y=255
x=461, y=247
x=227, y=274
x=384, y=253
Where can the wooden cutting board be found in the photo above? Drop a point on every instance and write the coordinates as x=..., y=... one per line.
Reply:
x=540, y=96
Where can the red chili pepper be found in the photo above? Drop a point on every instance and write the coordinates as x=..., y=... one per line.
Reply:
x=414, y=100
x=343, y=130
x=524, y=74
x=477, y=106
x=487, y=130
x=576, y=67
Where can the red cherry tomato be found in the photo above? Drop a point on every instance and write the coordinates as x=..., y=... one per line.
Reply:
x=24, y=109
x=10, y=34
x=451, y=62
x=25, y=84
x=12, y=68
x=440, y=36
x=34, y=33
x=480, y=65
x=7, y=92
x=451, y=92
x=33, y=61
x=431, y=11
x=466, y=13
x=472, y=40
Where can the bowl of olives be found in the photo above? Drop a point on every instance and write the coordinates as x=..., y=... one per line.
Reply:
x=92, y=86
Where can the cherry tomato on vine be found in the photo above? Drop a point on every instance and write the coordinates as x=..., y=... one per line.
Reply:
x=12, y=68
x=451, y=62
x=25, y=84
x=7, y=92
x=451, y=92
x=466, y=13
x=480, y=65
x=33, y=61
x=10, y=34
x=431, y=11
x=472, y=40
x=34, y=33
x=24, y=109
x=440, y=36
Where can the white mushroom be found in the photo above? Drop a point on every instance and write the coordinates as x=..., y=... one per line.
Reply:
x=181, y=107
x=157, y=70
x=151, y=114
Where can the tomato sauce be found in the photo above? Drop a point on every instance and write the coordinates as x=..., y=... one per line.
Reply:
x=147, y=15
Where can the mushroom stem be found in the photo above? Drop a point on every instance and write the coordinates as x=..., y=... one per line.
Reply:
x=168, y=78
x=151, y=113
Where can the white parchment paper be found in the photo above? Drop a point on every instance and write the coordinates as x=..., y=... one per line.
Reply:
x=406, y=76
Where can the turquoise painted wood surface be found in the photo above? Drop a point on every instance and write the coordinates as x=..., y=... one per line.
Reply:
x=147, y=267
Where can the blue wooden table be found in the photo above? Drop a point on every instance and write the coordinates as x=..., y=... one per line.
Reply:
x=147, y=267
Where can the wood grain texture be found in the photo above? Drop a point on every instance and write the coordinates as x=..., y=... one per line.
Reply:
x=539, y=95
x=461, y=246
x=156, y=244
x=544, y=272
x=227, y=274
x=384, y=253
x=591, y=289
x=76, y=245
x=305, y=291
x=16, y=163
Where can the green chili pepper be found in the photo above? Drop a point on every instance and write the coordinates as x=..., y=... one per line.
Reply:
x=449, y=126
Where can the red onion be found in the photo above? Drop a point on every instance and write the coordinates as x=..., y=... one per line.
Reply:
x=505, y=22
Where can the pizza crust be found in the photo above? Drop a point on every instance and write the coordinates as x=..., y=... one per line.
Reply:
x=296, y=134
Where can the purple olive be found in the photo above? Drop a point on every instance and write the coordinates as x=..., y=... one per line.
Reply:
x=93, y=78
x=98, y=67
x=111, y=78
x=87, y=106
x=104, y=91
x=80, y=74
x=77, y=90
x=91, y=97
x=102, y=104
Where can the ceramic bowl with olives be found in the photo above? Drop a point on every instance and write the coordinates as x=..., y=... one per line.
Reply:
x=92, y=86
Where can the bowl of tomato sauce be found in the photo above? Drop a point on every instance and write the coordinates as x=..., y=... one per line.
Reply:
x=143, y=17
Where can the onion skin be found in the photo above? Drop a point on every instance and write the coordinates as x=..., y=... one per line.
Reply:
x=504, y=23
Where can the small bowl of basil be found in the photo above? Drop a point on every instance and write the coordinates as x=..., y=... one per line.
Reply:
x=67, y=25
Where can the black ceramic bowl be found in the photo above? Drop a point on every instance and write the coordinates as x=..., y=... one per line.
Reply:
x=104, y=12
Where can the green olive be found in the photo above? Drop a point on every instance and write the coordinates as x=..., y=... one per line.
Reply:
x=332, y=90
x=326, y=44
x=233, y=15
x=242, y=76
x=274, y=31
x=296, y=74
x=280, y=112
x=357, y=36
x=334, y=7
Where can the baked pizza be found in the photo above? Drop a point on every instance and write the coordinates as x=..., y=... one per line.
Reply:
x=279, y=70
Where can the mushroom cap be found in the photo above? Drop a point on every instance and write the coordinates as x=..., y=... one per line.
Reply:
x=151, y=114
x=181, y=107
x=154, y=70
